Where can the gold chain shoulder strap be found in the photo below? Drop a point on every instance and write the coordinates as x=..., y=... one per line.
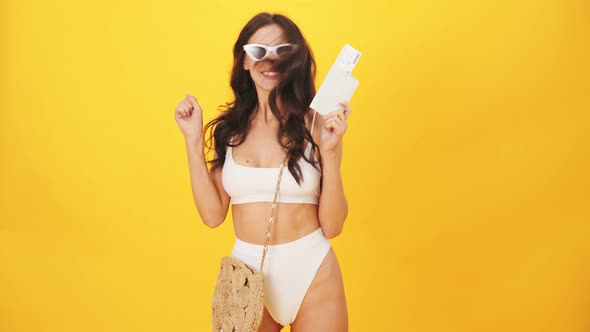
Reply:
x=273, y=210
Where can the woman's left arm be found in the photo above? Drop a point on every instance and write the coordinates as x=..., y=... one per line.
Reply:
x=333, y=207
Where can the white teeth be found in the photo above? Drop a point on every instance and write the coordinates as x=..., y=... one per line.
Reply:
x=270, y=73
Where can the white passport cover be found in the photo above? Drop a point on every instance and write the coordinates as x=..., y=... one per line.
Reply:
x=338, y=85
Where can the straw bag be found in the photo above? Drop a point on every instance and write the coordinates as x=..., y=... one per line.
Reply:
x=238, y=299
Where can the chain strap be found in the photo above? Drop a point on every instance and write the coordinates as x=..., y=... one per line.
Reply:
x=272, y=213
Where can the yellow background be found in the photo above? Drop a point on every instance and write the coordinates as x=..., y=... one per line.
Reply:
x=466, y=162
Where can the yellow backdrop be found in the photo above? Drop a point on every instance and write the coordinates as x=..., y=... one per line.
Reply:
x=466, y=162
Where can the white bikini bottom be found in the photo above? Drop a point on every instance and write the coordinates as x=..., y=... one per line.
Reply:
x=289, y=269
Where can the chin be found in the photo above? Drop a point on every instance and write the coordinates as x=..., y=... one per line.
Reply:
x=268, y=87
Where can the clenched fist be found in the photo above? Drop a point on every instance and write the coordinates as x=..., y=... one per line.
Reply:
x=189, y=117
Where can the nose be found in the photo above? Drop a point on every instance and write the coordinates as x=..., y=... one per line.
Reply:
x=273, y=55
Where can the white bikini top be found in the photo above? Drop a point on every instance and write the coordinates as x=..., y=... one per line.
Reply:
x=245, y=184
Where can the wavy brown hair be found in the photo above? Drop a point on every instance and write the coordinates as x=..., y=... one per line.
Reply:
x=294, y=93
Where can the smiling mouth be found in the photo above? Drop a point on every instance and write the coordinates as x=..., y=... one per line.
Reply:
x=270, y=74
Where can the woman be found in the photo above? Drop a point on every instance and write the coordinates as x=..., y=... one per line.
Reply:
x=273, y=83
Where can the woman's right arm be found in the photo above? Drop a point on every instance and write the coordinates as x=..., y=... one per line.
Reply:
x=210, y=198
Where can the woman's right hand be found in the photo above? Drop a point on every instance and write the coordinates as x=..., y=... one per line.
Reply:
x=189, y=117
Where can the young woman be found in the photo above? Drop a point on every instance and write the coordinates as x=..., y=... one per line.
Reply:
x=273, y=83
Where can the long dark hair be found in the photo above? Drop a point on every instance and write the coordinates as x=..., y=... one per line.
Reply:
x=294, y=92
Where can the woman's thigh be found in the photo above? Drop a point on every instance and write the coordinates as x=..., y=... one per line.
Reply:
x=268, y=324
x=324, y=304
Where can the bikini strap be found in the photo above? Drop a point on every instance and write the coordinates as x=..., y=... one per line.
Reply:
x=313, y=122
x=311, y=131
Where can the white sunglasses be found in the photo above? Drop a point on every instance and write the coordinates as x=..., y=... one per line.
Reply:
x=258, y=52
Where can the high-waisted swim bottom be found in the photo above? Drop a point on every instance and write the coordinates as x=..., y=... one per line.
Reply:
x=289, y=269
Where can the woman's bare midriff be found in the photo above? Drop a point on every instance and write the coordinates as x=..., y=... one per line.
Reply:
x=292, y=221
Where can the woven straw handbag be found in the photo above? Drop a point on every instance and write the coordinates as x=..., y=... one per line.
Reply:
x=238, y=299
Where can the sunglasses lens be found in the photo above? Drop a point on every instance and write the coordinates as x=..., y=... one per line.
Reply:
x=285, y=49
x=256, y=52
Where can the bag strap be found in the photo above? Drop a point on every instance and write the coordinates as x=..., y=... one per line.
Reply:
x=273, y=211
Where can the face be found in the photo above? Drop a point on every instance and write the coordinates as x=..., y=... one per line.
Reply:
x=262, y=72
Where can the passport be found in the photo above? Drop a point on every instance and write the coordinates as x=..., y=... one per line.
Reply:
x=338, y=85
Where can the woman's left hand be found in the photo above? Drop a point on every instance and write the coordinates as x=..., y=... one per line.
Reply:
x=334, y=128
